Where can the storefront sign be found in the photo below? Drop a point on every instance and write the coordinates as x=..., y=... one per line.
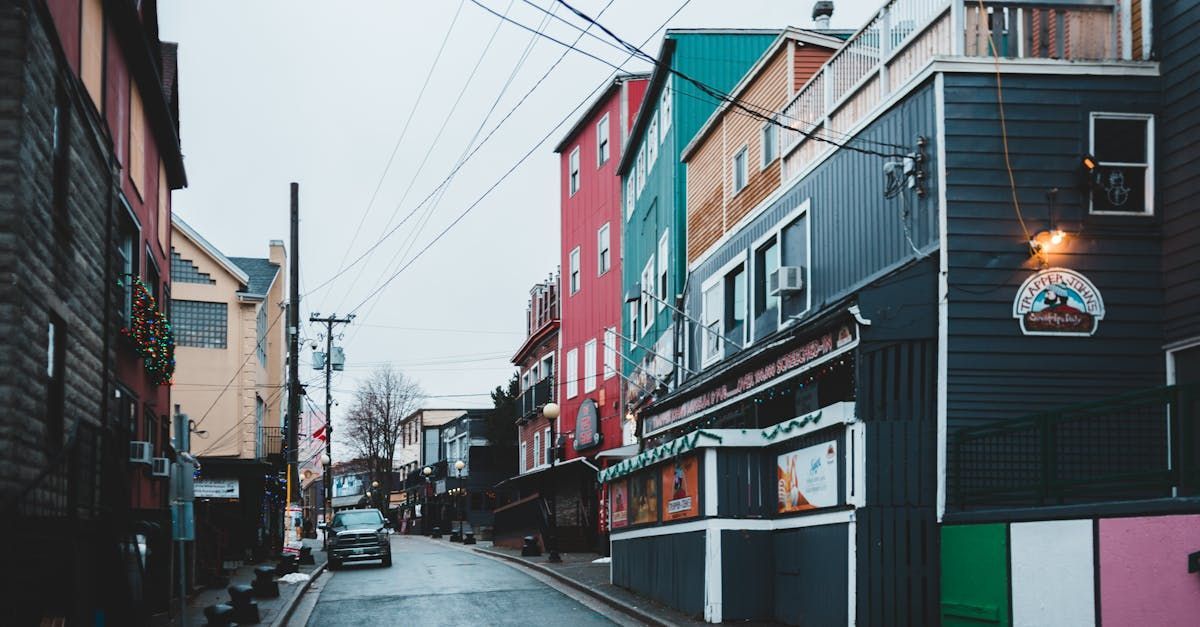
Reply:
x=806, y=353
x=681, y=488
x=643, y=498
x=808, y=478
x=1058, y=301
x=618, y=498
x=216, y=488
x=587, y=425
x=348, y=485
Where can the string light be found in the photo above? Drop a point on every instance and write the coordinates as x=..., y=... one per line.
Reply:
x=151, y=334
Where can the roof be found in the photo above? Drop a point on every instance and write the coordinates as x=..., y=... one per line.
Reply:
x=209, y=249
x=803, y=36
x=578, y=462
x=595, y=106
x=260, y=271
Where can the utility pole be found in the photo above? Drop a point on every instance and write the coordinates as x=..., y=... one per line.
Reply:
x=329, y=321
x=293, y=329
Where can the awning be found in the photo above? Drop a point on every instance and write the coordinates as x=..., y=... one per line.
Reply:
x=624, y=452
x=578, y=462
x=348, y=501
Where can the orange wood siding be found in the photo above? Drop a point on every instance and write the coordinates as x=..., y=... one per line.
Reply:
x=1135, y=18
x=705, y=196
x=807, y=61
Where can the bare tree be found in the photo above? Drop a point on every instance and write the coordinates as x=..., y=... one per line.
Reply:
x=373, y=422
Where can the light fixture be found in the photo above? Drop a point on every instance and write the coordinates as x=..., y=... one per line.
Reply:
x=459, y=465
x=550, y=410
x=1089, y=163
x=374, y=484
x=324, y=459
x=427, y=471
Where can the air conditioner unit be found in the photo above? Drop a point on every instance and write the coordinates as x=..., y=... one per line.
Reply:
x=140, y=452
x=785, y=279
x=161, y=467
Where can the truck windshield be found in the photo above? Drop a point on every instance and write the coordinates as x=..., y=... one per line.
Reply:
x=346, y=519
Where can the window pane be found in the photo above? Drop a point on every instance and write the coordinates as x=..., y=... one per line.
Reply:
x=1120, y=188
x=1121, y=141
x=200, y=324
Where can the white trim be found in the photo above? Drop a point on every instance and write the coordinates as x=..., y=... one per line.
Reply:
x=607, y=141
x=1148, y=183
x=856, y=464
x=571, y=373
x=1147, y=28
x=852, y=572
x=612, y=348
x=648, y=318
x=943, y=295
x=605, y=228
x=573, y=166
x=815, y=519
x=713, y=581
x=1170, y=355
x=574, y=271
x=744, y=153
x=711, y=490
x=662, y=270
x=201, y=243
x=589, y=365
x=767, y=129
x=1126, y=25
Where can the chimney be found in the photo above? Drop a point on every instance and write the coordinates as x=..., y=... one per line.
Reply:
x=822, y=10
x=278, y=253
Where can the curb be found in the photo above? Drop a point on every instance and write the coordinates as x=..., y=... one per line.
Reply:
x=286, y=615
x=632, y=612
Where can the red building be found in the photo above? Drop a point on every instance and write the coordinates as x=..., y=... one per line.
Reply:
x=589, y=385
x=535, y=361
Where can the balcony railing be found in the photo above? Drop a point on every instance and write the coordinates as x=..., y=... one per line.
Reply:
x=531, y=400
x=1140, y=445
x=905, y=35
x=270, y=442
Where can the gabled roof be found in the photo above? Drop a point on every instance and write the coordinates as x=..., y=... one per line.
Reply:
x=791, y=33
x=595, y=106
x=210, y=250
x=261, y=272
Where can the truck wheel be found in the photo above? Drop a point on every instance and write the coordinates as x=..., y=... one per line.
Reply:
x=387, y=560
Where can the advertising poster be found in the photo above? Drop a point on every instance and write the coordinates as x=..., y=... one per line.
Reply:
x=618, y=499
x=681, y=488
x=643, y=498
x=808, y=478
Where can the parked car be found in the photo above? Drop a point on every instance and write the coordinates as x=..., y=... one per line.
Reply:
x=359, y=534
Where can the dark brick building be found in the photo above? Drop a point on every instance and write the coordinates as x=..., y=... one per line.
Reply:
x=89, y=154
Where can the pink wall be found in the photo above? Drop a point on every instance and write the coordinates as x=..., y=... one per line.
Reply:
x=1143, y=571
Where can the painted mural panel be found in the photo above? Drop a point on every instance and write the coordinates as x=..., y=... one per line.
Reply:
x=808, y=478
x=618, y=498
x=643, y=498
x=681, y=488
x=975, y=575
x=1053, y=573
x=1143, y=571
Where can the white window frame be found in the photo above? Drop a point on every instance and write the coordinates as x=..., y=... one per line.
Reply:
x=664, y=109
x=710, y=354
x=743, y=154
x=752, y=270
x=1149, y=165
x=634, y=320
x=573, y=277
x=652, y=142
x=610, y=353
x=603, y=245
x=647, y=287
x=630, y=194
x=589, y=366
x=573, y=182
x=572, y=373
x=603, y=142
x=768, y=130
x=547, y=365
x=663, y=277
x=524, y=458
x=547, y=452
x=537, y=449
x=641, y=169
x=1175, y=349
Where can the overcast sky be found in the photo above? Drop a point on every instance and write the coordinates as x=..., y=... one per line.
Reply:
x=321, y=93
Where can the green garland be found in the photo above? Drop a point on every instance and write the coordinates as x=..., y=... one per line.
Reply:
x=151, y=335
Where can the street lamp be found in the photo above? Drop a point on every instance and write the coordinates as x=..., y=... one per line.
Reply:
x=375, y=491
x=327, y=505
x=458, y=466
x=425, y=515
x=550, y=411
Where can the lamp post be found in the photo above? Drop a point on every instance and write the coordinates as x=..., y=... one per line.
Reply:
x=550, y=411
x=327, y=505
x=458, y=467
x=426, y=472
x=377, y=501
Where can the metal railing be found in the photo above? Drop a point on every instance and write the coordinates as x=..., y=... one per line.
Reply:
x=270, y=441
x=1139, y=445
x=531, y=400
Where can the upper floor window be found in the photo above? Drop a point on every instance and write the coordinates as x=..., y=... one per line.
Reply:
x=589, y=365
x=185, y=271
x=573, y=166
x=610, y=352
x=664, y=262
x=129, y=256
x=652, y=142
x=647, y=300
x=602, y=151
x=572, y=373
x=260, y=342
x=739, y=170
x=137, y=140
x=603, y=248
x=770, y=135
x=664, y=109
x=200, y=324
x=1123, y=145
x=91, y=53
x=724, y=311
x=766, y=262
x=629, y=195
x=641, y=169
x=574, y=278
x=537, y=448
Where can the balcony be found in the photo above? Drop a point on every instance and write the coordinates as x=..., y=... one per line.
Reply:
x=1138, y=446
x=531, y=400
x=270, y=442
x=906, y=35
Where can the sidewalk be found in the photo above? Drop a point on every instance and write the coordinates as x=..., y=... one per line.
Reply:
x=580, y=571
x=270, y=611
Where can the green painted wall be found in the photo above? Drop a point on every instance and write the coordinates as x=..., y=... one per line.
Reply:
x=718, y=59
x=975, y=588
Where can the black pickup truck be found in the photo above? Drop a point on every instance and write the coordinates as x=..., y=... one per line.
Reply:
x=359, y=534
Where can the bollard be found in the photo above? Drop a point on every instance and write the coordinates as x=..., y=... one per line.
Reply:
x=469, y=538
x=437, y=533
x=245, y=610
x=219, y=615
x=454, y=536
x=306, y=556
x=287, y=565
x=264, y=584
x=530, y=547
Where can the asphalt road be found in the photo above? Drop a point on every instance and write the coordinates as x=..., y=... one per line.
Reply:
x=433, y=584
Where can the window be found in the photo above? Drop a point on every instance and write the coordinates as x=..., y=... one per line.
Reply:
x=573, y=180
x=548, y=366
x=739, y=170
x=526, y=380
x=610, y=352
x=664, y=109
x=1123, y=145
x=152, y=278
x=766, y=306
x=150, y=428
x=61, y=156
x=129, y=257
x=260, y=334
x=549, y=446
x=664, y=262
x=537, y=448
x=629, y=195
x=633, y=321
x=524, y=466
x=641, y=170
x=200, y=324
x=710, y=340
x=572, y=373
x=164, y=208
x=602, y=151
x=575, y=270
x=137, y=140
x=646, y=296
x=770, y=135
x=91, y=43
x=604, y=253
x=794, y=252
x=56, y=353
x=589, y=366
x=184, y=271
x=735, y=306
x=259, y=410
x=652, y=142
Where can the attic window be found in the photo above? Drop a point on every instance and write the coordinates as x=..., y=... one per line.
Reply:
x=1123, y=145
x=185, y=271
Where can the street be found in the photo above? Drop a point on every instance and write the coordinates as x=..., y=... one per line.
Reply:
x=434, y=583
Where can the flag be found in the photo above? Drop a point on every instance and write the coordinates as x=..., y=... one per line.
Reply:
x=320, y=434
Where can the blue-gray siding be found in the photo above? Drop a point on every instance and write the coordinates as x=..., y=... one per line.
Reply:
x=667, y=568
